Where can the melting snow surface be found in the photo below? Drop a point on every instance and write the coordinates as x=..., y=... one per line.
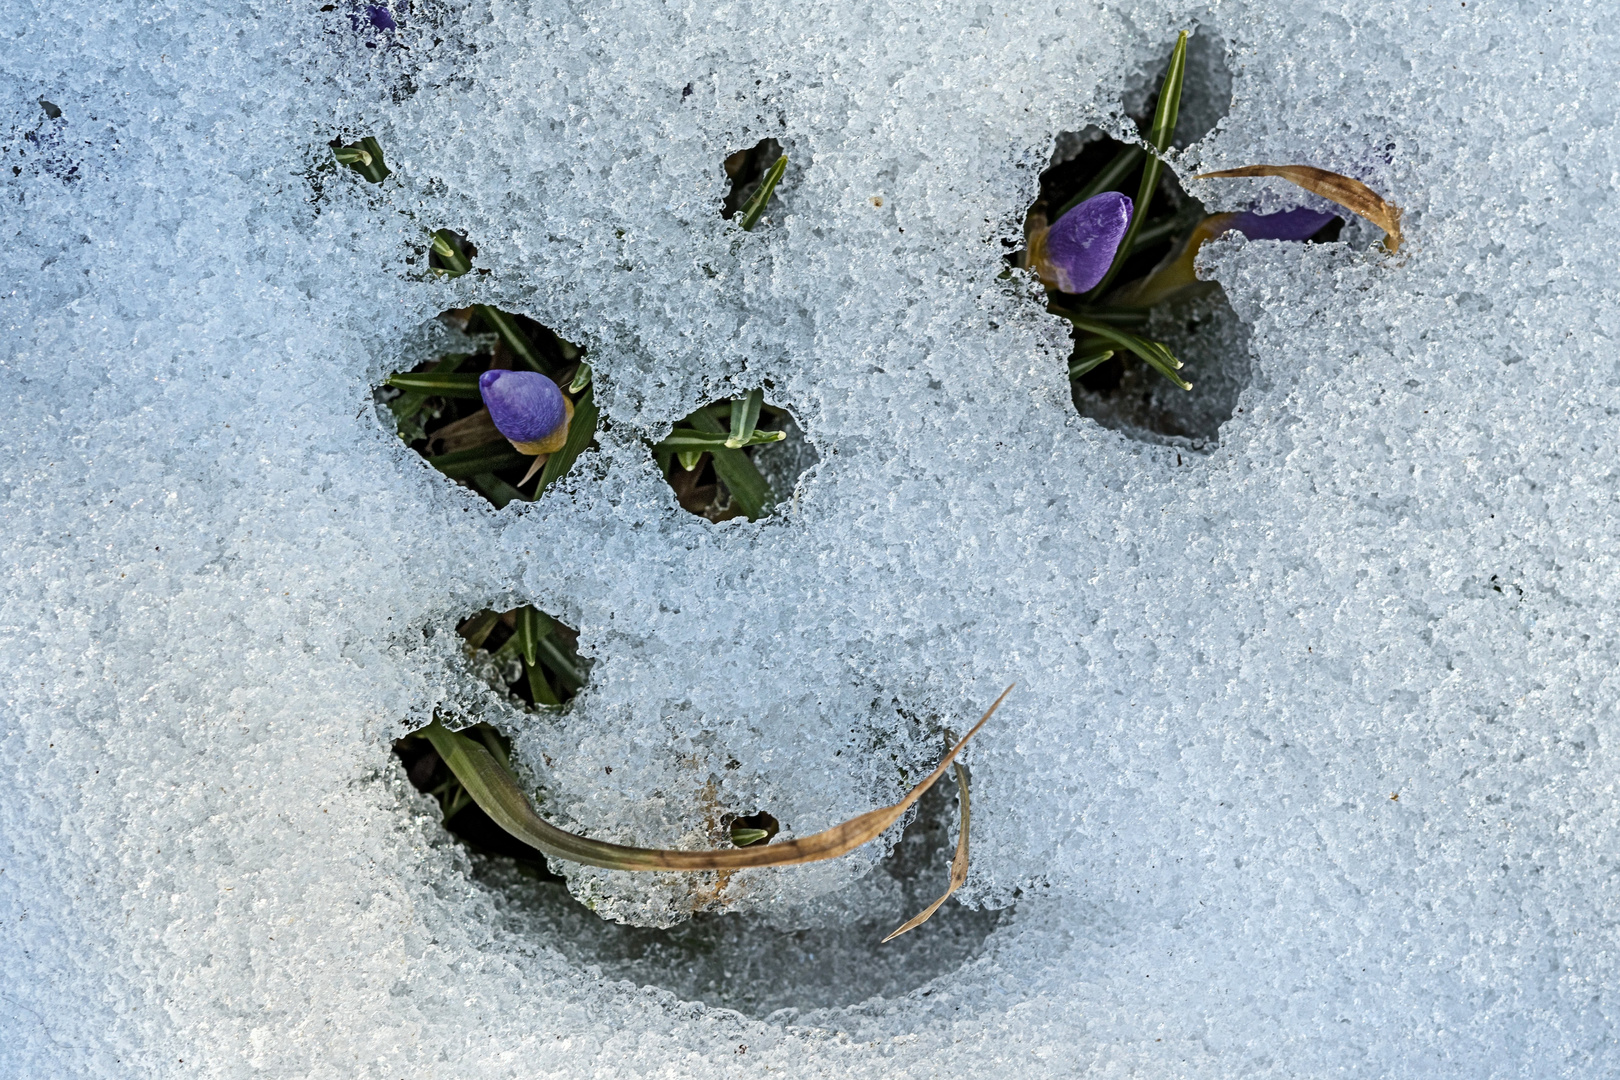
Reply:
x=1311, y=769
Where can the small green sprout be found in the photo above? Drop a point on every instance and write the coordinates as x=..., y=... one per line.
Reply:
x=364, y=157
x=1159, y=137
x=702, y=439
x=755, y=206
x=449, y=254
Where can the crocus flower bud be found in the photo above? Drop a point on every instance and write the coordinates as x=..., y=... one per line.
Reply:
x=1075, y=253
x=1175, y=274
x=1299, y=223
x=527, y=408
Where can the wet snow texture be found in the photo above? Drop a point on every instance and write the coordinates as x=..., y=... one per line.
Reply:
x=229, y=587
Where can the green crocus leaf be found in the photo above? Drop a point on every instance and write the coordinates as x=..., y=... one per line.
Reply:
x=1159, y=136
x=755, y=206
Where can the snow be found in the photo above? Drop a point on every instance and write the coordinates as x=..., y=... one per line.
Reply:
x=1308, y=771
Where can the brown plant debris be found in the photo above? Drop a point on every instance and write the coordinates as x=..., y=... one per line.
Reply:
x=959, y=861
x=498, y=794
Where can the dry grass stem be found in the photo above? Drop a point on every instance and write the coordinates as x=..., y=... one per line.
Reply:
x=959, y=862
x=498, y=794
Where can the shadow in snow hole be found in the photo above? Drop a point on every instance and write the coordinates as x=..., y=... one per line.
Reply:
x=748, y=962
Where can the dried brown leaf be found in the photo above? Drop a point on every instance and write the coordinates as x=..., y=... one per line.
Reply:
x=534, y=466
x=1348, y=192
x=464, y=434
x=499, y=796
x=959, y=861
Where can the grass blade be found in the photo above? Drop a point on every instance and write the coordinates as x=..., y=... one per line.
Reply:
x=437, y=384
x=407, y=405
x=740, y=475
x=1153, y=353
x=499, y=796
x=690, y=439
x=539, y=688
x=530, y=626
x=581, y=430
x=446, y=246
x=959, y=861
x=478, y=628
x=565, y=667
x=1089, y=361
x=744, y=418
x=1159, y=136
x=1348, y=192
x=755, y=206
x=1164, y=117
x=511, y=333
x=495, y=489
x=465, y=464
x=365, y=158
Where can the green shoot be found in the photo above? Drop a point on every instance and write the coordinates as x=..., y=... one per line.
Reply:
x=1155, y=354
x=733, y=467
x=744, y=416
x=464, y=464
x=755, y=206
x=437, y=383
x=453, y=262
x=683, y=439
x=1159, y=137
x=365, y=158
x=1089, y=361
x=514, y=337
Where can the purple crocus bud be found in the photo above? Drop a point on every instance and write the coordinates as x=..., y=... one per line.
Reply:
x=1080, y=246
x=380, y=17
x=527, y=408
x=1296, y=224
x=1175, y=274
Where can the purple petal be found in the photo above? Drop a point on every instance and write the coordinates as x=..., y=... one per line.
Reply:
x=1297, y=224
x=380, y=17
x=1080, y=246
x=525, y=405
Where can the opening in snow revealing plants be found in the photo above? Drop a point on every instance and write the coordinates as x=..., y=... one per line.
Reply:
x=1111, y=253
x=510, y=421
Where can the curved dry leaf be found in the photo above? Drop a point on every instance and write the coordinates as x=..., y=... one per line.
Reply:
x=499, y=796
x=1348, y=192
x=959, y=861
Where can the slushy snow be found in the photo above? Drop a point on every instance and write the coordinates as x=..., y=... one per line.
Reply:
x=1311, y=766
